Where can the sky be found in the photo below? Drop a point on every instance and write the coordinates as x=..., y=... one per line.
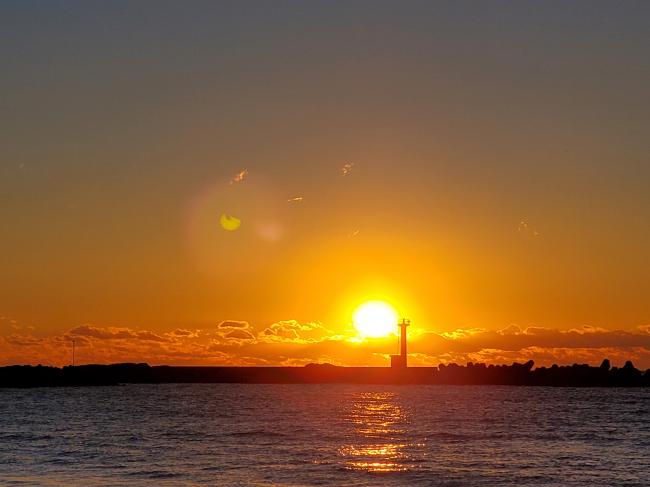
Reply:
x=481, y=166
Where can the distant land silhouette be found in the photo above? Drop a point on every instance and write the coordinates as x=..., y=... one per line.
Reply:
x=471, y=374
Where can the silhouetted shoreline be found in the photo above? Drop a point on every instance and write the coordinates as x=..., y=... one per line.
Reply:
x=471, y=374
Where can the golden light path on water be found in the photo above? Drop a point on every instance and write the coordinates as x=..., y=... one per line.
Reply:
x=380, y=438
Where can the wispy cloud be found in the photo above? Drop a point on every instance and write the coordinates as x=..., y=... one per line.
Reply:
x=112, y=333
x=294, y=331
x=290, y=342
x=347, y=168
x=233, y=324
x=239, y=177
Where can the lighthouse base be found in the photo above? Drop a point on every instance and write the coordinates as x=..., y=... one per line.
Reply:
x=398, y=361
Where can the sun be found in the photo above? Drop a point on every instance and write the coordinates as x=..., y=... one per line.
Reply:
x=375, y=319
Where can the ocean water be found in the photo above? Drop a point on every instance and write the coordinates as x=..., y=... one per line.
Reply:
x=236, y=434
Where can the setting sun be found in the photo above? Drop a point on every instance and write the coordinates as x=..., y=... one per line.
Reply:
x=375, y=319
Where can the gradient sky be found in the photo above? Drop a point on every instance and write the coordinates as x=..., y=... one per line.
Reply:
x=499, y=185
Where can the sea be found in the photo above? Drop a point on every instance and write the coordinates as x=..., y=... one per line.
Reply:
x=339, y=435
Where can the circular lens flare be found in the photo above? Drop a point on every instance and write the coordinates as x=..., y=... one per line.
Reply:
x=375, y=319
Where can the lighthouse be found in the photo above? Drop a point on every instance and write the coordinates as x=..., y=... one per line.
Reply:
x=399, y=361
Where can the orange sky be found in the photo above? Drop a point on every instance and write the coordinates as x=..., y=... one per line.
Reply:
x=483, y=170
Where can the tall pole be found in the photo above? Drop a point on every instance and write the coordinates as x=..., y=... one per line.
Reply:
x=73, y=353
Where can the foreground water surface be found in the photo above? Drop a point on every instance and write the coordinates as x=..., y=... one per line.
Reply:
x=237, y=434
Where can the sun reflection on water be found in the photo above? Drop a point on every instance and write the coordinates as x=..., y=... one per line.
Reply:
x=379, y=439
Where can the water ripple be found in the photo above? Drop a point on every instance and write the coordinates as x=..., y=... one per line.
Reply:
x=233, y=434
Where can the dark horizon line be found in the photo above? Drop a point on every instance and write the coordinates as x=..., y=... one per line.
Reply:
x=604, y=363
x=576, y=375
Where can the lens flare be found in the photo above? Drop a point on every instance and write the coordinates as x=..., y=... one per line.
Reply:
x=229, y=223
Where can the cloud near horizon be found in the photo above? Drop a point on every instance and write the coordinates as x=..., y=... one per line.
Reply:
x=290, y=342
